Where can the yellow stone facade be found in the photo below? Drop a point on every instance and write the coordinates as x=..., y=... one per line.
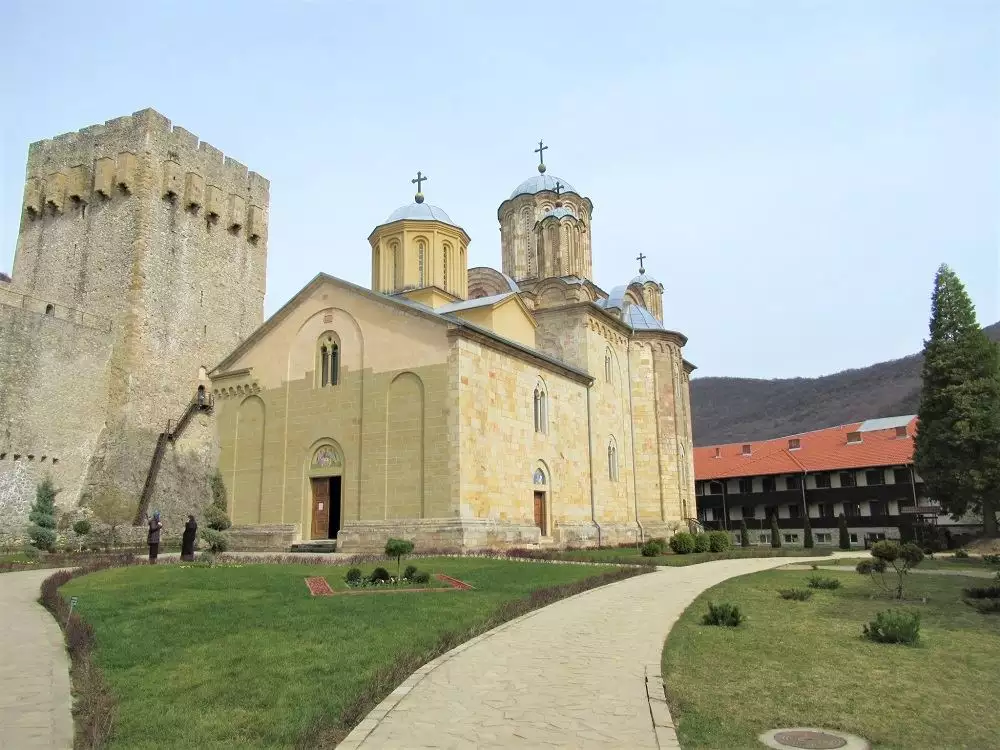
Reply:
x=461, y=411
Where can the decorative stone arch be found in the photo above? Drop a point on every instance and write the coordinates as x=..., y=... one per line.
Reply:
x=323, y=503
x=541, y=487
x=540, y=405
x=612, y=458
x=329, y=357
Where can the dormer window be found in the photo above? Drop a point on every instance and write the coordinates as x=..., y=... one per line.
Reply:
x=794, y=444
x=853, y=437
x=747, y=449
x=901, y=431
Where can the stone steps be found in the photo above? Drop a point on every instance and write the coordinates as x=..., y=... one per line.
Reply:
x=320, y=546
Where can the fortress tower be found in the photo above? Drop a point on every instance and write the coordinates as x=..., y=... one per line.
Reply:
x=140, y=263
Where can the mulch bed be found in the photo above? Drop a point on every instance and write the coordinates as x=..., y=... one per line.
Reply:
x=319, y=586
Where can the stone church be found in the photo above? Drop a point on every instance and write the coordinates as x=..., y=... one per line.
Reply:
x=459, y=407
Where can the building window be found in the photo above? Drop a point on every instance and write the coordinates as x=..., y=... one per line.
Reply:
x=793, y=482
x=444, y=265
x=50, y=310
x=746, y=486
x=541, y=409
x=847, y=479
x=612, y=460
x=791, y=538
x=607, y=366
x=852, y=510
x=748, y=512
x=715, y=488
x=822, y=481
x=769, y=484
x=420, y=264
x=874, y=477
x=824, y=538
x=854, y=538
x=329, y=361
x=763, y=539
x=794, y=511
x=825, y=510
x=877, y=508
x=901, y=476
x=699, y=488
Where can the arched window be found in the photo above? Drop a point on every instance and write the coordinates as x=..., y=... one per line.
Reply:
x=444, y=264
x=379, y=281
x=329, y=360
x=607, y=365
x=612, y=460
x=420, y=263
x=541, y=409
x=50, y=310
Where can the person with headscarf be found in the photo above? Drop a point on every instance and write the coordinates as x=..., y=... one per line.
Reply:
x=187, y=541
x=153, y=537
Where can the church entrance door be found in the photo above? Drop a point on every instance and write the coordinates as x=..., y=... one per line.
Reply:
x=325, y=507
x=540, y=511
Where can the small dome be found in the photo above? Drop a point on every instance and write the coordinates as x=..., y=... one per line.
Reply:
x=643, y=278
x=420, y=212
x=559, y=213
x=642, y=319
x=540, y=183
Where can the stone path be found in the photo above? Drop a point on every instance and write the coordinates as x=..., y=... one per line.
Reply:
x=573, y=674
x=34, y=669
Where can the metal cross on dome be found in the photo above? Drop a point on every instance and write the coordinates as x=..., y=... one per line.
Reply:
x=418, y=180
x=641, y=258
x=559, y=187
x=541, y=156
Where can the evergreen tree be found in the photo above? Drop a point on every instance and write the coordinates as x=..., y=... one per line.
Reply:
x=216, y=515
x=42, y=516
x=775, y=531
x=744, y=534
x=807, y=533
x=845, y=536
x=957, y=446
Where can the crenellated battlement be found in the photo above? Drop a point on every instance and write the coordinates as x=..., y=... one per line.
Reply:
x=144, y=153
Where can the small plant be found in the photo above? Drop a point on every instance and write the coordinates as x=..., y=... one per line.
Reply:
x=421, y=577
x=81, y=527
x=845, y=536
x=650, y=549
x=42, y=531
x=216, y=540
x=744, y=535
x=701, y=542
x=775, y=532
x=982, y=592
x=894, y=626
x=799, y=595
x=807, y=532
x=886, y=554
x=725, y=614
x=992, y=560
x=409, y=572
x=353, y=577
x=379, y=575
x=985, y=606
x=682, y=543
x=398, y=548
x=660, y=542
x=823, y=582
x=961, y=554
x=719, y=541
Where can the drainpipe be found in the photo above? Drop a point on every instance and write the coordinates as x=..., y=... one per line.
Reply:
x=635, y=492
x=725, y=509
x=590, y=451
x=805, y=504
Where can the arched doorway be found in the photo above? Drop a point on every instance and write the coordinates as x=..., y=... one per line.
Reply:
x=540, y=485
x=326, y=472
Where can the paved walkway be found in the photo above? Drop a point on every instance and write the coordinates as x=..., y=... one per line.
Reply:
x=34, y=669
x=573, y=674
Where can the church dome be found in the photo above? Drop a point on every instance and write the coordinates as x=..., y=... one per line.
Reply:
x=540, y=183
x=643, y=278
x=559, y=213
x=420, y=212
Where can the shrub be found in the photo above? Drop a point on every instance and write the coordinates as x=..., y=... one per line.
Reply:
x=775, y=532
x=894, y=626
x=719, y=541
x=870, y=567
x=30, y=553
x=807, y=532
x=421, y=577
x=398, y=548
x=725, y=614
x=353, y=577
x=982, y=592
x=379, y=575
x=886, y=554
x=992, y=560
x=650, y=549
x=660, y=542
x=42, y=531
x=216, y=540
x=81, y=527
x=701, y=542
x=985, y=606
x=682, y=542
x=961, y=554
x=216, y=518
x=744, y=534
x=823, y=582
x=799, y=595
x=845, y=536
x=216, y=515
x=409, y=571
x=207, y=558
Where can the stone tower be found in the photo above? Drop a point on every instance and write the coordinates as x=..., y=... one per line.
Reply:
x=140, y=263
x=419, y=246
x=545, y=229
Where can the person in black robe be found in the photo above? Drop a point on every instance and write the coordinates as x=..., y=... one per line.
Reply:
x=153, y=537
x=187, y=540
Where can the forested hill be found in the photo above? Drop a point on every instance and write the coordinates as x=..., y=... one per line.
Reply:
x=727, y=410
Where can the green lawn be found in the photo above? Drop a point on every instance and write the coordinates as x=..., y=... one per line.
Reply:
x=632, y=555
x=804, y=664
x=243, y=656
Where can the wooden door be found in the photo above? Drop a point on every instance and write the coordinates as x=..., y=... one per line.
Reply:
x=540, y=511
x=320, y=508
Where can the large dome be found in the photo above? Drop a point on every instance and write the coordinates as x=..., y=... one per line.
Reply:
x=540, y=183
x=420, y=212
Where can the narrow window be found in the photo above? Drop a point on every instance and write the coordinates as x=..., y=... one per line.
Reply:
x=50, y=310
x=607, y=366
x=420, y=263
x=325, y=377
x=334, y=364
x=444, y=266
x=612, y=461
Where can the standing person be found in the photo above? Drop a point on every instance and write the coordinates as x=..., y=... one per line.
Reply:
x=187, y=541
x=153, y=537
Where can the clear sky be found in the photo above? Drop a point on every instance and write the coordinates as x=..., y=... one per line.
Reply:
x=794, y=171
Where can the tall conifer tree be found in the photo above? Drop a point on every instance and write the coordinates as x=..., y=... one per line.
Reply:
x=957, y=447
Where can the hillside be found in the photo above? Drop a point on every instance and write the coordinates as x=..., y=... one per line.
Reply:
x=726, y=410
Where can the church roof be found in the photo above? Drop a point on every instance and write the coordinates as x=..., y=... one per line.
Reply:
x=642, y=319
x=420, y=212
x=540, y=183
x=559, y=213
x=643, y=278
x=468, y=304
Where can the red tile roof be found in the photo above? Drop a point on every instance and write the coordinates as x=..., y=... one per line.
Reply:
x=820, y=450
